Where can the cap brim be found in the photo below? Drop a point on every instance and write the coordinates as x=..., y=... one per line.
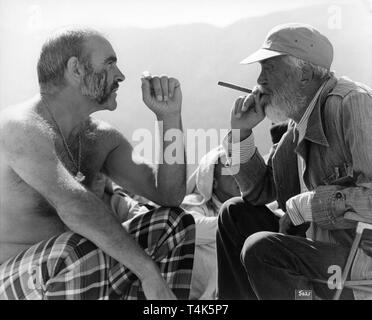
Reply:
x=261, y=54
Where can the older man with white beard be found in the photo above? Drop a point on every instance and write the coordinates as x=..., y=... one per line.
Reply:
x=320, y=173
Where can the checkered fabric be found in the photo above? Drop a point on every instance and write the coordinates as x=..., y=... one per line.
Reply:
x=69, y=266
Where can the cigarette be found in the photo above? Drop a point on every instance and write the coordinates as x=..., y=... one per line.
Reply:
x=146, y=74
x=233, y=86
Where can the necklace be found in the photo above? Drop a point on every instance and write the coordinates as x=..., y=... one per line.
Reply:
x=80, y=177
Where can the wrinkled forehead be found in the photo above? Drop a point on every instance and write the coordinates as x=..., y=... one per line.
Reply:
x=99, y=49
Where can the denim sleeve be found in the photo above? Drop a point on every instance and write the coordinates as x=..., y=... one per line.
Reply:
x=255, y=180
x=338, y=207
x=250, y=171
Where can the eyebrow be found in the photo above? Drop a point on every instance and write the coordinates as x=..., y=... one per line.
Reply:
x=266, y=62
x=111, y=59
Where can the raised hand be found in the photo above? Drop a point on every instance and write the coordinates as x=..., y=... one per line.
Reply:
x=247, y=112
x=162, y=95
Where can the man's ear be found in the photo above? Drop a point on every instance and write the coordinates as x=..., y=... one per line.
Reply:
x=307, y=75
x=74, y=70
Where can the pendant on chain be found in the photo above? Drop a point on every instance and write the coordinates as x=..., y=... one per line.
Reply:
x=79, y=177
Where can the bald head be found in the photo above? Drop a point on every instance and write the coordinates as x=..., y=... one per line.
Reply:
x=56, y=52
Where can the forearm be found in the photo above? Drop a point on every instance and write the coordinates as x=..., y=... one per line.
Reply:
x=171, y=172
x=332, y=206
x=255, y=181
x=88, y=216
x=253, y=176
x=337, y=207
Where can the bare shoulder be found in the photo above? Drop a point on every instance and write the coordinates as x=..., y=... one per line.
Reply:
x=20, y=125
x=104, y=132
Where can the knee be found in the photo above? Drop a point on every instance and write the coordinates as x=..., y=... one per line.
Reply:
x=257, y=249
x=164, y=231
x=174, y=218
x=230, y=211
x=236, y=213
x=185, y=220
x=170, y=223
x=184, y=224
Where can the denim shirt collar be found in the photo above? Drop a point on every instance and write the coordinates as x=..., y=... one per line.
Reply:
x=314, y=130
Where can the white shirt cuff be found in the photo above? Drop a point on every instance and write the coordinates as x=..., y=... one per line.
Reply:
x=238, y=152
x=299, y=208
x=294, y=215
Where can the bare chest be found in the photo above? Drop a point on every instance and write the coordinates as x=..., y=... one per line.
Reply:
x=85, y=153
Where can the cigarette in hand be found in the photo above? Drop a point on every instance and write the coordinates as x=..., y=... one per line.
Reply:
x=146, y=74
x=233, y=86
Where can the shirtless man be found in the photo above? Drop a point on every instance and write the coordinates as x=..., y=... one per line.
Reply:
x=53, y=151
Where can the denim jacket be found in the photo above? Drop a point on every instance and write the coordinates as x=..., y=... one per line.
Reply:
x=337, y=152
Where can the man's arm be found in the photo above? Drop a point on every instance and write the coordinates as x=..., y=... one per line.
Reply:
x=164, y=184
x=338, y=206
x=29, y=149
x=254, y=177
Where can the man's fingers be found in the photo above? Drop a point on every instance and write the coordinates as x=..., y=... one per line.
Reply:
x=156, y=85
x=146, y=88
x=163, y=88
x=256, y=90
x=238, y=106
x=258, y=103
x=164, y=85
x=173, y=84
x=248, y=102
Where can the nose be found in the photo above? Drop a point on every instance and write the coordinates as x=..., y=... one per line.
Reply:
x=119, y=76
x=262, y=79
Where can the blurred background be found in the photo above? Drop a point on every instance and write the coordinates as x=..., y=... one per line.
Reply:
x=199, y=42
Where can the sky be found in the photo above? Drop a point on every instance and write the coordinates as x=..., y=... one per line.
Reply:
x=31, y=21
x=33, y=15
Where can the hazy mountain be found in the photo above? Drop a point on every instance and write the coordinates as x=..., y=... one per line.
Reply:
x=199, y=56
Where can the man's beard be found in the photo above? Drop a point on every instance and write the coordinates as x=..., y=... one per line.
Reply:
x=283, y=103
x=95, y=85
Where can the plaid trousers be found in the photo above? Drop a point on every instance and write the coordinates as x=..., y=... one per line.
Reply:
x=70, y=267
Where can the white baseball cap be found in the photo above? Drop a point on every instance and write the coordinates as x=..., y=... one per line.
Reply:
x=299, y=40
